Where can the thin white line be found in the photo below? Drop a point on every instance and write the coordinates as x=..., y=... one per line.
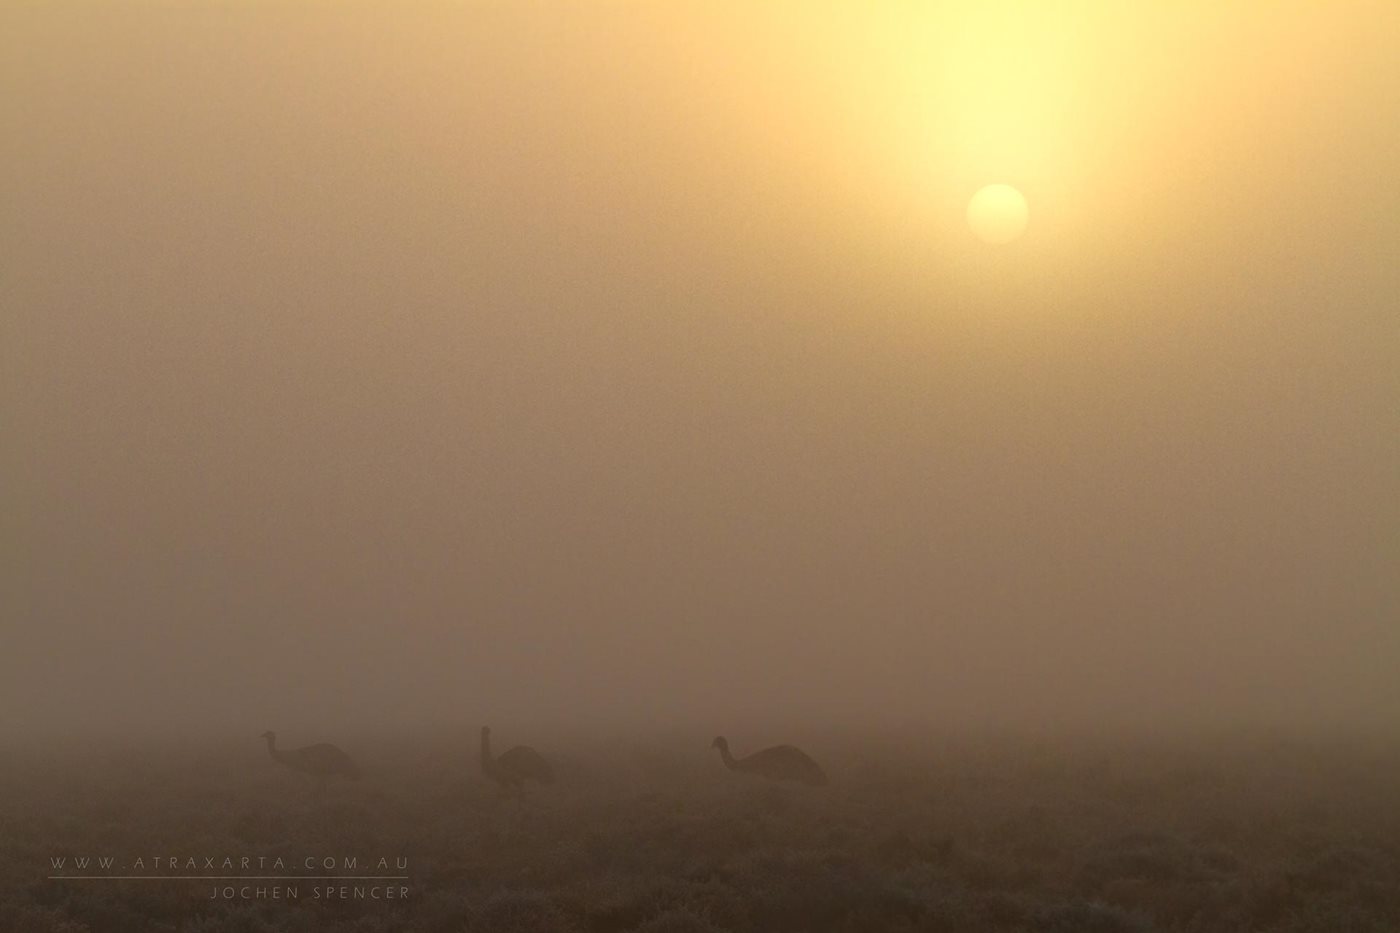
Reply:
x=227, y=877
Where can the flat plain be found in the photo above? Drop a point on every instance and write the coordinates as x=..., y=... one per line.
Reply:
x=994, y=835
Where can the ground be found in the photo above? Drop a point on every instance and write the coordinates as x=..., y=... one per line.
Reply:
x=912, y=834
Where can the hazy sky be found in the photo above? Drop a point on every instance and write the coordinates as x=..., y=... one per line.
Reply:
x=635, y=364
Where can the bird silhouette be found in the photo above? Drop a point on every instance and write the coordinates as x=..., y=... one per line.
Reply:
x=779, y=763
x=511, y=770
x=322, y=762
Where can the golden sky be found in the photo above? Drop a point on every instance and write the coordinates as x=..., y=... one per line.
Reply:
x=499, y=360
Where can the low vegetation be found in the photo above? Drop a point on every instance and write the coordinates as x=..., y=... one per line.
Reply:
x=937, y=835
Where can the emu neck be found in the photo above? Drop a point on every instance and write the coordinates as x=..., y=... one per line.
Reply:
x=729, y=761
x=486, y=761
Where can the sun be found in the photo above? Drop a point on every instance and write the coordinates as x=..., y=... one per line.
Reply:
x=998, y=214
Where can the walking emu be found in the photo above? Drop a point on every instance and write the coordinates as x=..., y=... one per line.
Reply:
x=322, y=762
x=779, y=763
x=515, y=767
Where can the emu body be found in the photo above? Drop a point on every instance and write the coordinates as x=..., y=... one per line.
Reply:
x=514, y=768
x=322, y=762
x=779, y=763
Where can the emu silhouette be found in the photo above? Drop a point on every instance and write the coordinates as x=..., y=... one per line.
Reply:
x=517, y=766
x=779, y=763
x=322, y=762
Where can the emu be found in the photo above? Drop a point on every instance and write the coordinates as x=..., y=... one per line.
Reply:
x=322, y=762
x=511, y=770
x=779, y=763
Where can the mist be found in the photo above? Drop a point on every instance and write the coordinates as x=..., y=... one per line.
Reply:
x=428, y=366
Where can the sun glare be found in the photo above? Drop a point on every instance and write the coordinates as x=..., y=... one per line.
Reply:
x=998, y=214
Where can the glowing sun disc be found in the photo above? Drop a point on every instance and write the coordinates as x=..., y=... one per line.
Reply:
x=998, y=214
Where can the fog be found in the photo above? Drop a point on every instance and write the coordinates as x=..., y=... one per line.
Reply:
x=633, y=367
